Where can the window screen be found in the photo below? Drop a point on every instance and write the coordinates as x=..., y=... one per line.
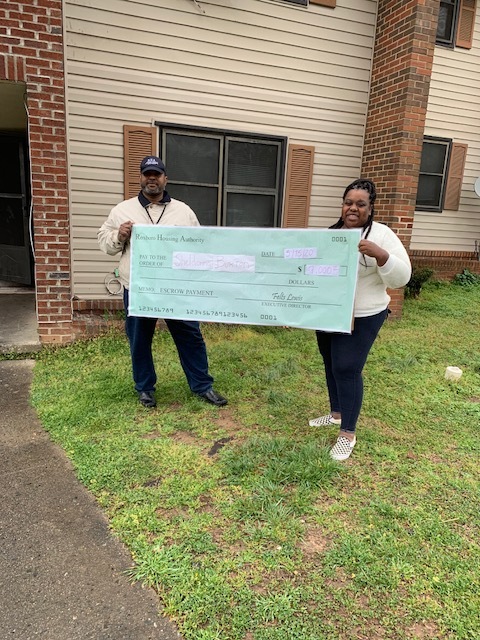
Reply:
x=192, y=158
x=228, y=179
x=252, y=164
x=433, y=171
x=203, y=200
x=249, y=210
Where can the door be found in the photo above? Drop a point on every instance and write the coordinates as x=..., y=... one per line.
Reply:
x=16, y=259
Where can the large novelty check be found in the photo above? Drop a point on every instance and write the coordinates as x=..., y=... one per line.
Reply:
x=290, y=277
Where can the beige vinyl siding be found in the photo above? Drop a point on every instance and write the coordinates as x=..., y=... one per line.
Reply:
x=453, y=112
x=256, y=66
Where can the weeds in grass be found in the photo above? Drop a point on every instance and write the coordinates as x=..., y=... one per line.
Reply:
x=466, y=278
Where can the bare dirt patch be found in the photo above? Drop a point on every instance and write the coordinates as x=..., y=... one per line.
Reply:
x=315, y=541
x=153, y=435
x=423, y=630
x=185, y=437
x=227, y=424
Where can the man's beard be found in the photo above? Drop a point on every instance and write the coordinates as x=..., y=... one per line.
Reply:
x=152, y=190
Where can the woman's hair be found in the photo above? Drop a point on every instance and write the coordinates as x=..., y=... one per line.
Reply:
x=369, y=187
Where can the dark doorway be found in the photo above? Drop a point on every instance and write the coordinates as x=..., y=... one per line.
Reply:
x=16, y=255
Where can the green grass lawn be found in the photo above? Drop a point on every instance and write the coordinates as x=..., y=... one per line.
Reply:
x=238, y=517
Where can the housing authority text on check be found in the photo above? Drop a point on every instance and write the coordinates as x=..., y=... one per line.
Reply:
x=302, y=278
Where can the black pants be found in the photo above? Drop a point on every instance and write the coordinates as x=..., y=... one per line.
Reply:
x=190, y=346
x=344, y=356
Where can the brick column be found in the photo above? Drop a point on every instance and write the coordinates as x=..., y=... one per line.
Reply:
x=31, y=51
x=401, y=71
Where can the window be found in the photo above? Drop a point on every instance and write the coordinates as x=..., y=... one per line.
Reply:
x=447, y=19
x=215, y=167
x=433, y=172
x=228, y=178
x=302, y=2
x=441, y=174
x=456, y=21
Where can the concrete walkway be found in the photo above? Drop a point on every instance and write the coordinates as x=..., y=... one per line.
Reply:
x=61, y=571
x=18, y=320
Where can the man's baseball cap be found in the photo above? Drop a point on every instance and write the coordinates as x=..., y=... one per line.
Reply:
x=152, y=163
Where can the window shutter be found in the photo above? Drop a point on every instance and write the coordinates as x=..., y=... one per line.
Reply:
x=298, y=185
x=466, y=24
x=325, y=3
x=455, y=176
x=138, y=142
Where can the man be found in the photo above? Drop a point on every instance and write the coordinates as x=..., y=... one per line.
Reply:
x=154, y=206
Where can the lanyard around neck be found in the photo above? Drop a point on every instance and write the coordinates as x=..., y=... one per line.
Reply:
x=150, y=217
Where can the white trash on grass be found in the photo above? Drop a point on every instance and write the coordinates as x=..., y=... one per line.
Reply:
x=453, y=373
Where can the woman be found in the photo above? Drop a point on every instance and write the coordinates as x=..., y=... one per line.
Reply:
x=383, y=263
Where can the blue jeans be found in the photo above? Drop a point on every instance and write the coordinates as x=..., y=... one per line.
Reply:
x=344, y=356
x=190, y=346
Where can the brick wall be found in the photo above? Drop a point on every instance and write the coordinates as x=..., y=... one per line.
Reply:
x=446, y=264
x=31, y=51
x=400, y=85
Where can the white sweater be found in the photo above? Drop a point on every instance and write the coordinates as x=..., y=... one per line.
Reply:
x=174, y=213
x=371, y=296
